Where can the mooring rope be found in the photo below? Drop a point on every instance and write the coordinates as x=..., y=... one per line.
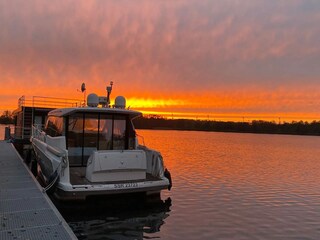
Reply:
x=49, y=186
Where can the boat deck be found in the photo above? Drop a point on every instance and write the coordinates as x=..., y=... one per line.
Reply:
x=25, y=211
x=77, y=177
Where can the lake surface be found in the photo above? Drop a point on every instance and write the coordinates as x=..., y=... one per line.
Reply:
x=2, y=130
x=225, y=186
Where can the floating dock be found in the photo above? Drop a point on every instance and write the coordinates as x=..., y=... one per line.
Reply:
x=25, y=211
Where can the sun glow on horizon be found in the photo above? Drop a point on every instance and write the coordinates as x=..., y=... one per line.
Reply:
x=154, y=103
x=217, y=107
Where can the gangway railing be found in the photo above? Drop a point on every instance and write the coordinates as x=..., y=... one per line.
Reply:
x=49, y=102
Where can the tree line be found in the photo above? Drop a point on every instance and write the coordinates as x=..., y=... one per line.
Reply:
x=256, y=126
x=6, y=118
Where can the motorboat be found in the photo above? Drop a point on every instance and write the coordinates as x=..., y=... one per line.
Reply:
x=94, y=150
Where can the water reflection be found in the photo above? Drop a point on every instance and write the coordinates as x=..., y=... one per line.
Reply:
x=2, y=130
x=240, y=186
x=226, y=186
x=129, y=217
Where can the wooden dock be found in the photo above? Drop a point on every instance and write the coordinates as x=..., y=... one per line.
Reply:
x=25, y=211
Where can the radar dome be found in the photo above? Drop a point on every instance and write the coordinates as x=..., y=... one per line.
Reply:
x=120, y=102
x=92, y=100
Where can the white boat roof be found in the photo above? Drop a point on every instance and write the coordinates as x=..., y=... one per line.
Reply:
x=61, y=112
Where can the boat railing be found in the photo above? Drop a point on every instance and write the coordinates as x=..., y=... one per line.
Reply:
x=140, y=139
x=37, y=131
x=49, y=102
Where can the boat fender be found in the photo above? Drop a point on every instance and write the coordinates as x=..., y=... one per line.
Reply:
x=168, y=175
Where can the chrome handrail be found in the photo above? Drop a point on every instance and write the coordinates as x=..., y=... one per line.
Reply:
x=36, y=130
x=49, y=102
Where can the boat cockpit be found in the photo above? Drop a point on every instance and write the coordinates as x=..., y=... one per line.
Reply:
x=88, y=132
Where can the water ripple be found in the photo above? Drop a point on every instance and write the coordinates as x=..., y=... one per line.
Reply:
x=227, y=186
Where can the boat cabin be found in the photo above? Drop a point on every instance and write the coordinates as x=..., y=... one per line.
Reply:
x=92, y=129
x=34, y=110
x=25, y=117
x=93, y=150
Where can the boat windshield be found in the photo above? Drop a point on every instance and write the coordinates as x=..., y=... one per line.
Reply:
x=54, y=126
x=88, y=132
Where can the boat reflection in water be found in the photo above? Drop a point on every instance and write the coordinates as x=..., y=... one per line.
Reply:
x=115, y=218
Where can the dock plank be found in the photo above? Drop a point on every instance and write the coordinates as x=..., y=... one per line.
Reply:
x=25, y=211
x=20, y=193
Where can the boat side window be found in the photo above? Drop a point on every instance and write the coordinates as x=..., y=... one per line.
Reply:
x=131, y=135
x=54, y=126
x=105, y=132
x=119, y=133
x=75, y=139
x=90, y=142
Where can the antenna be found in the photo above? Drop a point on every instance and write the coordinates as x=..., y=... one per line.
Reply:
x=83, y=87
x=83, y=90
x=109, y=89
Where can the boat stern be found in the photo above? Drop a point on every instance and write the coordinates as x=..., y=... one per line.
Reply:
x=112, y=166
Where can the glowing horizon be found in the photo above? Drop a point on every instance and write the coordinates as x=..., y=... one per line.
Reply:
x=182, y=109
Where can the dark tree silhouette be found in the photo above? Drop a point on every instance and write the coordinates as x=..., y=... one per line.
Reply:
x=6, y=118
x=256, y=126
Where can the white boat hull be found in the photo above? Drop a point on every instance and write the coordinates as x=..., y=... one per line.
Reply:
x=81, y=192
x=48, y=159
x=45, y=160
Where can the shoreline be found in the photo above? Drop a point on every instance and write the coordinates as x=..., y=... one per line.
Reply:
x=254, y=127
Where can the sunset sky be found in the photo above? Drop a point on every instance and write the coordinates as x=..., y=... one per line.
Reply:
x=210, y=58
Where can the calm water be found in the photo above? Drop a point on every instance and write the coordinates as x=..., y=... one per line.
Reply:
x=2, y=130
x=226, y=186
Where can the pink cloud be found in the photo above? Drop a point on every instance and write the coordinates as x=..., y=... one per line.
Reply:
x=165, y=48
